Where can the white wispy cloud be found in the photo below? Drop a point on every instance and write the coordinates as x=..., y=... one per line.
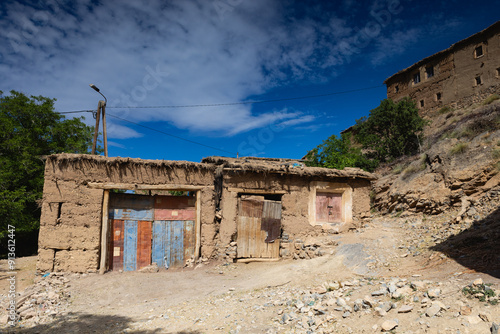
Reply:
x=173, y=53
x=297, y=121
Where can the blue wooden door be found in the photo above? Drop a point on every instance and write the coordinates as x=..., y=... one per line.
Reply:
x=160, y=237
x=171, y=240
x=130, y=246
x=176, y=244
x=143, y=233
x=131, y=217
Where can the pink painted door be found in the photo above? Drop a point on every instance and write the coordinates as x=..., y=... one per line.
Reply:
x=329, y=207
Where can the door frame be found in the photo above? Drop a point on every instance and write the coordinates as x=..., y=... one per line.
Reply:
x=331, y=187
x=276, y=256
x=106, y=223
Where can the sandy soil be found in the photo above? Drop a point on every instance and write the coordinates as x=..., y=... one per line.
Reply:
x=25, y=273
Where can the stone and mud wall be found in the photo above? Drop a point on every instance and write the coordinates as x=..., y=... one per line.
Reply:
x=70, y=225
x=459, y=74
x=295, y=193
x=75, y=188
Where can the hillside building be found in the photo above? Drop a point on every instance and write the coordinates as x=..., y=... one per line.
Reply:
x=465, y=73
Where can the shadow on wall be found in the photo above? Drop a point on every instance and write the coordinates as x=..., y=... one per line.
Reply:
x=90, y=323
x=478, y=247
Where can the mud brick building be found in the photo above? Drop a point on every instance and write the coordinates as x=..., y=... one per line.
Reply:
x=123, y=214
x=465, y=73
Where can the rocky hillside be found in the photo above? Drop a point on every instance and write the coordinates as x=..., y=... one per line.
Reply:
x=458, y=169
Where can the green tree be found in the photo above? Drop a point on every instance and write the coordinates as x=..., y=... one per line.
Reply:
x=29, y=130
x=338, y=152
x=391, y=130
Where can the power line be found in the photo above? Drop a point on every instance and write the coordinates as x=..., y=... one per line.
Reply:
x=216, y=105
x=74, y=112
x=152, y=129
x=170, y=135
x=251, y=102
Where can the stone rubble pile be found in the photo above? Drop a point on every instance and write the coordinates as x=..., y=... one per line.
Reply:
x=329, y=308
x=308, y=248
x=358, y=305
x=41, y=302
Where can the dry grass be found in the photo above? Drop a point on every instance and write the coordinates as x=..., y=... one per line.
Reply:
x=416, y=167
x=445, y=110
x=397, y=169
x=459, y=148
x=491, y=98
x=496, y=153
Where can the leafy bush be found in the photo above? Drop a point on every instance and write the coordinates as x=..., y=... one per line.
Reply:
x=391, y=130
x=459, y=148
x=338, y=152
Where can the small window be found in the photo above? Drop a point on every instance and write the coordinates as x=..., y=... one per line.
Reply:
x=396, y=89
x=438, y=96
x=416, y=78
x=478, y=52
x=422, y=103
x=429, y=72
x=478, y=81
x=498, y=72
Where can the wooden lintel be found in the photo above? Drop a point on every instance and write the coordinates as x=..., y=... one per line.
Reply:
x=133, y=186
x=258, y=191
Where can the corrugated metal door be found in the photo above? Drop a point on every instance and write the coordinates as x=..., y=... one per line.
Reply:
x=259, y=228
x=329, y=207
x=173, y=230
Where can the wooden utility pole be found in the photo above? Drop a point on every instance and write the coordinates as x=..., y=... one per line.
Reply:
x=96, y=132
x=100, y=106
x=101, y=109
x=104, y=135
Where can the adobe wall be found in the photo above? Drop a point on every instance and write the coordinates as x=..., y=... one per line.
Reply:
x=428, y=88
x=296, y=192
x=70, y=224
x=455, y=73
x=468, y=67
x=361, y=198
x=294, y=201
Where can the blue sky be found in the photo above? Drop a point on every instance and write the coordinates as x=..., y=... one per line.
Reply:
x=194, y=52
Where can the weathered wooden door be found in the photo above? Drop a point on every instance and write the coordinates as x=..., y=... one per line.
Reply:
x=131, y=218
x=173, y=231
x=329, y=207
x=259, y=228
x=148, y=229
x=173, y=242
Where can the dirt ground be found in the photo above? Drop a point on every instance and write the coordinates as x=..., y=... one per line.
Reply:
x=25, y=273
x=257, y=297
